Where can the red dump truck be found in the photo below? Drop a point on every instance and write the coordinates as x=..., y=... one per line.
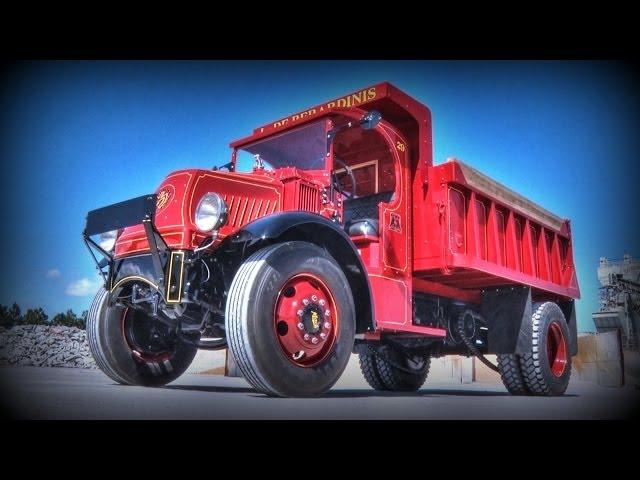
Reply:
x=340, y=235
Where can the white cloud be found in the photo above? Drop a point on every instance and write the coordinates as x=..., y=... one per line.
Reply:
x=53, y=273
x=81, y=288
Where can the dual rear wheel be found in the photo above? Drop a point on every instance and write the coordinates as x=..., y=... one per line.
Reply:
x=387, y=369
x=546, y=370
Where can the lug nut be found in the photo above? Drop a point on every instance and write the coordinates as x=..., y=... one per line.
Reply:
x=327, y=325
x=306, y=336
x=314, y=298
x=305, y=302
x=314, y=340
x=327, y=313
x=323, y=335
x=300, y=312
x=301, y=326
x=322, y=302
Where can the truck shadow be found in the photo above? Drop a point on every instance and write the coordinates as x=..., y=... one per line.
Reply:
x=422, y=393
x=354, y=393
x=419, y=393
x=210, y=388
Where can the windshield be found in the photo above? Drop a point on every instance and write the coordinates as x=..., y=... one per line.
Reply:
x=304, y=148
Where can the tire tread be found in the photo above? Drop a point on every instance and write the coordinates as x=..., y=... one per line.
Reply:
x=511, y=374
x=94, y=318
x=370, y=371
x=381, y=375
x=530, y=362
x=236, y=328
x=394, y=380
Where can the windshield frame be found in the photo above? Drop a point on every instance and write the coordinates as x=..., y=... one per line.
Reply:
x=327, y=164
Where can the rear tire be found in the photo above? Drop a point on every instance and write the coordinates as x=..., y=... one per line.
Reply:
x=547, y=369
x=370, y=371
x=110, y=342
x=382, y=375
x=511, y=374
x=278, y=329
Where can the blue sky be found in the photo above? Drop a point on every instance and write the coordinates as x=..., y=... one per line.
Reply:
x=80, y=135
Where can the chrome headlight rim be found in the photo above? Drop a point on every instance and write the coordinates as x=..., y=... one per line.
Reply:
x=209, y=221
x=107, y=240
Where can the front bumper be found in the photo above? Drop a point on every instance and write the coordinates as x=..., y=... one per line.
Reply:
x=161, y=268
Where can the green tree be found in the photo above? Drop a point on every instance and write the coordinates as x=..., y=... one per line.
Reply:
x=10, y=316
x=35, y=316
x=67, y=319
x=70, y=319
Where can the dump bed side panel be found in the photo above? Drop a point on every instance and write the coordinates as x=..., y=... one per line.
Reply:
x=474, y=233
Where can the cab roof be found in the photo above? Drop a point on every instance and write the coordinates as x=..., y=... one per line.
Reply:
x=395, y=106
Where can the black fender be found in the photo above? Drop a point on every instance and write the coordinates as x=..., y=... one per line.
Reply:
x=508, y=311
x=568, y=307
x=312, y=228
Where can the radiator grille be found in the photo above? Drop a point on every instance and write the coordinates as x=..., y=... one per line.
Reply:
x=243, y=210
x=308, y=198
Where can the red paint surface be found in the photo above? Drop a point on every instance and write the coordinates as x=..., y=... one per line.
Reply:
x=556, y=349
x=301, y=345
x=437, y=234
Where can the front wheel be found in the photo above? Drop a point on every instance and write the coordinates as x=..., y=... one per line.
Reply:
x=131, y=347
x=290, y=320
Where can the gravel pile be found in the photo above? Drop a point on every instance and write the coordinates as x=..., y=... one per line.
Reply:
x=45, y=346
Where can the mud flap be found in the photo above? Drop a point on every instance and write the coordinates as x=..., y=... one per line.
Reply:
x=569, y=310
x=508, y=313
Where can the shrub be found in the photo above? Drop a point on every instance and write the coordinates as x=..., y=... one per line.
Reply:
x=10, y=316
x=35, y=316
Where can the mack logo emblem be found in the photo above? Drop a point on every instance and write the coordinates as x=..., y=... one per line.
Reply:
x=164, y=195
x=394, y=223
x=314, y=320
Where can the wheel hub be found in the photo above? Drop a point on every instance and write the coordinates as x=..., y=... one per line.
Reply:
x=312, y=318
x=146, y=339
x=305, y=320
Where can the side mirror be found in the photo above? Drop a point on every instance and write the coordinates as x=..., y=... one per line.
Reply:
x=370, y=120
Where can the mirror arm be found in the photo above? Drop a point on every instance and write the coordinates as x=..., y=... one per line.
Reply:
x=367, y=122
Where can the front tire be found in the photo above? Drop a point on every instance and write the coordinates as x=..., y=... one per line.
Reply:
x=133, y=349
x=290, y=320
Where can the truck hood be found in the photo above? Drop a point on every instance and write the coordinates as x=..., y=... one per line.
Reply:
x=248, y=196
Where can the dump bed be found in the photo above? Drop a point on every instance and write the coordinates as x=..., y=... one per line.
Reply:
x=479, y=234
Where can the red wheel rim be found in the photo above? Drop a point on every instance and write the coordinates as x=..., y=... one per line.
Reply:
x=556, y=349
x=305, y=320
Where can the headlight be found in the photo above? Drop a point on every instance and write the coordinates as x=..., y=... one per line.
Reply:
x=108, y=240
x=211, y=213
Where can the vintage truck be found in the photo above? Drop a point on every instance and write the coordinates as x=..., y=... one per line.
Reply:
x=330, y=232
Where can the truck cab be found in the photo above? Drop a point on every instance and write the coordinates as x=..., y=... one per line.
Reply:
x=328, y=232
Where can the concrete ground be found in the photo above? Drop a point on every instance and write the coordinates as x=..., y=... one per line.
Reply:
x=64, y=393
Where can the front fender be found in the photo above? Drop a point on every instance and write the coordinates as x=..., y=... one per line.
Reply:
x=312, y=228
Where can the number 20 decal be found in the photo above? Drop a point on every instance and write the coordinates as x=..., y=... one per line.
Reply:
x=401, y=146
